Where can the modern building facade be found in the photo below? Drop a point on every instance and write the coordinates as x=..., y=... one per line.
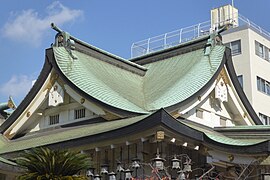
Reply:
x=250, y=53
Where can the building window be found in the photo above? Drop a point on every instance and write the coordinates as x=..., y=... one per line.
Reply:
x=259, y=49
x=79, y=113
x=54, y=119
x=265, y=119
x=262, y=51
x=240, y=79
x=263, y=85
x=268, y=54
x=235, y=47
x=199, y=113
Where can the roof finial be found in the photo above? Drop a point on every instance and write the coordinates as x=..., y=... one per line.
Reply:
x=5, y=106
x=56, y=28
x=62, y=38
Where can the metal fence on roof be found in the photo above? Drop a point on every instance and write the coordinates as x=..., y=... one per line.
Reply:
x=180, y=36
x=245, y=21
x=169, y=39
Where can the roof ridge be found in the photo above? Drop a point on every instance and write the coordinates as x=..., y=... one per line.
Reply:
x=116, y=57
x=109, y=54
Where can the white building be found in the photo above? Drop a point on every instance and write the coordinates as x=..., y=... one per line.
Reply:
x=250, y=49
x=250, y=45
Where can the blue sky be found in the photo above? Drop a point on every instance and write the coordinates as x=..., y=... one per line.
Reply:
x=110, y=25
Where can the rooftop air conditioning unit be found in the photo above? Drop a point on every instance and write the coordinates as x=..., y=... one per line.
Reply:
x=224, y=16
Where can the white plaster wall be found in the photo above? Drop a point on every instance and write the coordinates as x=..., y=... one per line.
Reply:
x=66, y=115
x=63, y=117
x=212, y=111
x=261, y=68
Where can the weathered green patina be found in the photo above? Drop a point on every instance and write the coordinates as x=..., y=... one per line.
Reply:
x=165, y=83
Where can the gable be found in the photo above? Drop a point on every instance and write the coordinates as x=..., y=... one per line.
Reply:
x=219, y=106
x=55, y=105
x=165, y=83
x=179, y=82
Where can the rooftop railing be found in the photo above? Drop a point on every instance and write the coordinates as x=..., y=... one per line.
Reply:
x=183, y=35
x=245, y=21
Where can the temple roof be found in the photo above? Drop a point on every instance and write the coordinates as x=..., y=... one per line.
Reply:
x=167, y=79
x=65, y=134
x=117, y=129
x=221, y=138
x=165, y=83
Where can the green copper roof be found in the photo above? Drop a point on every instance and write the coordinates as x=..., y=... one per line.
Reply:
x=165, y=83
x=109, y=84
x=220, y=138
x=237, y=128
x=236, y=142
x=74, y=133
x=66, y=134
x=173, y=80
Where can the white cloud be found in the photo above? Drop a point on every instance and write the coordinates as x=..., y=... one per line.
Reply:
x=18, y=86
x=27, y=26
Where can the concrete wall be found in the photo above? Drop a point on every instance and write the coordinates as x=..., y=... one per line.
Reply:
x=250, y=66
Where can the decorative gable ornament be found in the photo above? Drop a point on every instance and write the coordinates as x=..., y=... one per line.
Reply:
x=56, y=95
x=221, y=92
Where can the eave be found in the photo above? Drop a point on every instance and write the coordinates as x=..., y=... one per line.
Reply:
x=47, y=67
x=201, y=91
x=114, y=110
x=132, y=129
x=239, y=89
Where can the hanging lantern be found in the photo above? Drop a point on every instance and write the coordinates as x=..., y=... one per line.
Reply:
x=159, y=162
x=135, y=163
x=112, y=176
x=128, y=175
x=175, y=163
x=97, y=177
x=119, y=168
x=90, y=172
x=182, y=175
x=187, y=166
x=104, y=169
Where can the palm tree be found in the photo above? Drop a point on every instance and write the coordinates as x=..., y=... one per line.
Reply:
x=44, y=163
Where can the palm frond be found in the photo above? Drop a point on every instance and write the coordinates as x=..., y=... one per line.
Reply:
x=44, y=163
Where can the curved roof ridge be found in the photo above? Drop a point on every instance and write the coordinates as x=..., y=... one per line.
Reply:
x=46, y=69
x=100, y=80
x=116, y=57
x=109, y=54
x=180, y=77
x=166, y=83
